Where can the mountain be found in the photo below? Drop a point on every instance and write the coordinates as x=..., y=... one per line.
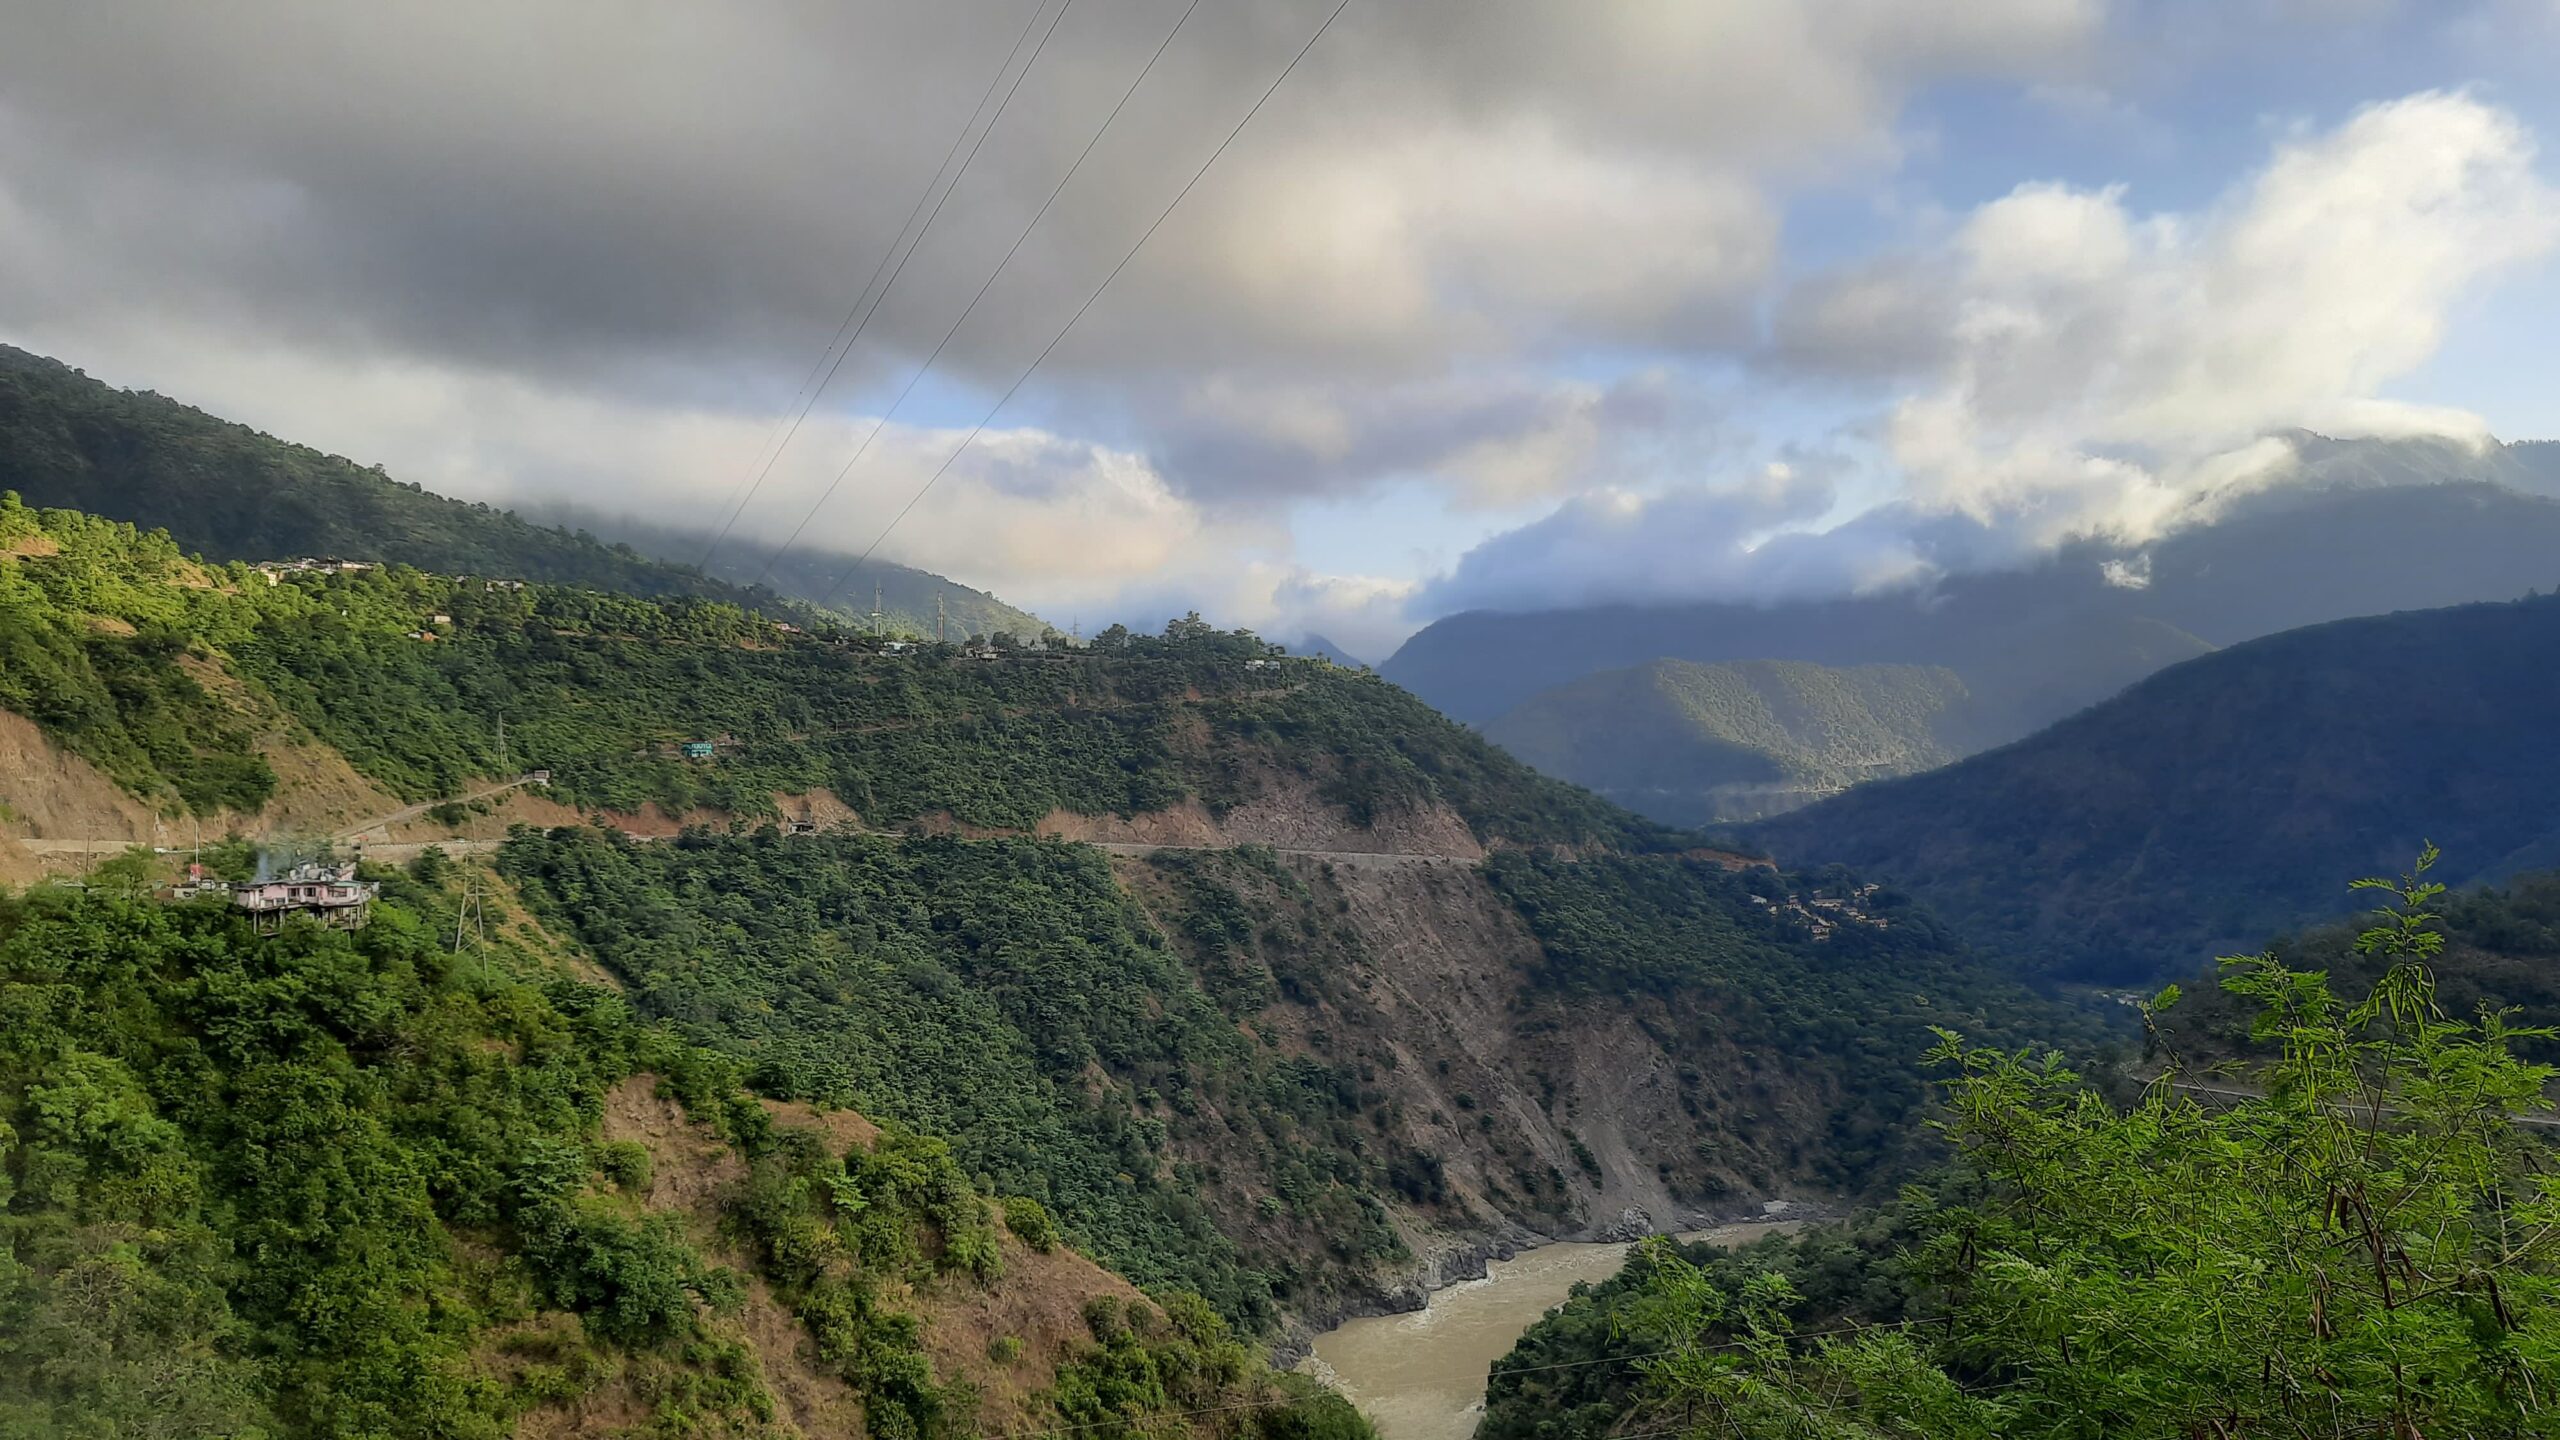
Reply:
x=1691, y=743
x=2501, y=952
x=2540, y=461
x=911, y=601
x=1269, y=984
x=1324, y=649
x=2359, y=537
x=2044, y=644
x=232, y=493
x=2220, y=800
x=1579, y=1373
x=334, y=1182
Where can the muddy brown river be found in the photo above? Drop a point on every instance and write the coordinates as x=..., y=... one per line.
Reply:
x=1421, y=1376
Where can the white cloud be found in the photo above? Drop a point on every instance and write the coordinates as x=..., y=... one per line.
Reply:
x=1746, y=538
x=2098, y=362
x=1492, y=440
x=2080, y=369
x=583, y=254
x=671, y=205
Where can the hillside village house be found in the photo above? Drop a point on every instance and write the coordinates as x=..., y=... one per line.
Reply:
x=330, y=894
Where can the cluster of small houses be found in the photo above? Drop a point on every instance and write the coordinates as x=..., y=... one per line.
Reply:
x=276, y=570
x=1824, y=914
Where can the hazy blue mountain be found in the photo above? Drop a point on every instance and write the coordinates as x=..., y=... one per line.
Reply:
x=2221, y=800
x=1687, y=743
x=2540, y=462
x=1318, y=645
x=2060, y=635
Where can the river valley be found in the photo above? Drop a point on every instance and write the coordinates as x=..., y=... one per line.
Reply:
x=1421, y=1375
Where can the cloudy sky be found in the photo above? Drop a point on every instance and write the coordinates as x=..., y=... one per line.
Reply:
x=1494, y=303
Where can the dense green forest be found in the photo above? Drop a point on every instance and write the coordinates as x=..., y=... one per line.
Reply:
x=324, y=1183
x=1009, y=995
x=98, y=626
x=228, y=492
x=2364, y=1251
x=1579, y=1373
x=1691, y=744
x=109, y=630
x=2501, y=952
x=2218, y=801
x=844, y=585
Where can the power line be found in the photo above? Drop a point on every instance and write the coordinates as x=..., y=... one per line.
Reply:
x=1010, y=391
x=972, y=307
x=847, y=342
x=807, y=397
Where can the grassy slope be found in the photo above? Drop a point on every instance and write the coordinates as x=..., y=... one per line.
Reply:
x=2220, y=800
x=1662, y=738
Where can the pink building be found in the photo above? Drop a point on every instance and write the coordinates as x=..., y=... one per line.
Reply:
x=329, y=894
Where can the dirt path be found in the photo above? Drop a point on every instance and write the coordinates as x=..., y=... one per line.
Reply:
x=381, y=824
x=1356, y=859
x=366, y=833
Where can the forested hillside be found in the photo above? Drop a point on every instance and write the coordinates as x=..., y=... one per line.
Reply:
x=2165, y=1265
x=1692, y=744
x=2501, y=952
x=134, y=657
x=1202, y=1066
x=228, y=492
x=355, y=1185
x=2376, y=526
x=2217, y=802
x=1445, y=1003
x=907, y=596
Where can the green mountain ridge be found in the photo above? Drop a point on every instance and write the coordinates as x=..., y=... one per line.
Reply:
x=2217, y=801
x=817, y=578
x=229, y=492
x=1264, y=1075
x=2370, y=527
x=1696, y=744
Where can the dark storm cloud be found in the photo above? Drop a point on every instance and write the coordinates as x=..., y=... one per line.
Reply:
x=660, y=198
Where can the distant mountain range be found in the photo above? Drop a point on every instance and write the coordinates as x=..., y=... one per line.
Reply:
x=229, y=492
x=2223, y=799
x=2032, y=646
x=1693, y=744
x=1322, y=648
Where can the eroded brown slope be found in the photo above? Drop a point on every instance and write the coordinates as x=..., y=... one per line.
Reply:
x=1538, y=1117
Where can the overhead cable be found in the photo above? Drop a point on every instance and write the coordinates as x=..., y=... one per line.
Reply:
x=1149, y=234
